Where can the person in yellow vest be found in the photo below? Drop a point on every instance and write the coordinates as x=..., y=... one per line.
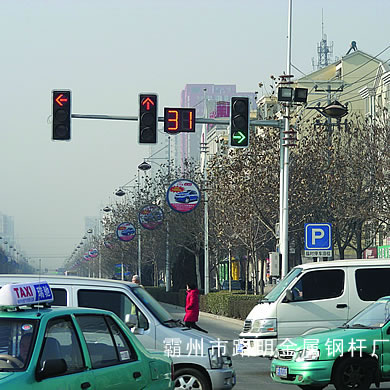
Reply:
x=135, y=279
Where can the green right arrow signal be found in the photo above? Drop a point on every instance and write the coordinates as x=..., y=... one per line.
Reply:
x=239, y=137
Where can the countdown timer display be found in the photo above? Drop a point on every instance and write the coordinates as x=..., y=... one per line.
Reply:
x=179, y=120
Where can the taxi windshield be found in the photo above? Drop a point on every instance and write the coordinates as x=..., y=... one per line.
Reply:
x=374, y=316
x=16, y=342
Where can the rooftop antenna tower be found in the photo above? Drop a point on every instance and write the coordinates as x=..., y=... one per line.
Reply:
x=324, y=51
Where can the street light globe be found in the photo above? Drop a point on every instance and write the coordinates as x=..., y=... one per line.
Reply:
x=144, y=166
x=335, y=110
x=120, y=192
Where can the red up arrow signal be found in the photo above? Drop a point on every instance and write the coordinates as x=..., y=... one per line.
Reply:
x=148, y=101
x=60, y=99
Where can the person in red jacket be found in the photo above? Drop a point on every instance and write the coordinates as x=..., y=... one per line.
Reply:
x=192, y=308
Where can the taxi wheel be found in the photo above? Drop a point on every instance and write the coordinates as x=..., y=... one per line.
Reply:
x=190, y=379
x=352, y=373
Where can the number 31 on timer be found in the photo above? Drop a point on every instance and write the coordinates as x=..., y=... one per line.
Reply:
x=177, y=120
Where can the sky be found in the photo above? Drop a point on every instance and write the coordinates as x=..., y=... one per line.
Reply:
x=106, y=53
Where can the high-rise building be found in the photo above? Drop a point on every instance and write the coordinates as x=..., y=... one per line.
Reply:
x=211, y=101
x=7, y=228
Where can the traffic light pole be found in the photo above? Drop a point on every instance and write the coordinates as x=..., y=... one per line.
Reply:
x=261, y=123
x=284, y=168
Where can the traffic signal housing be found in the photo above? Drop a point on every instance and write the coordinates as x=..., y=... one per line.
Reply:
x=61, y=115
x=239, y=122
x=148, y=119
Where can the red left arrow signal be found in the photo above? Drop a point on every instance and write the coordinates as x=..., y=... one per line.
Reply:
x=148, y=101
x=60, y=99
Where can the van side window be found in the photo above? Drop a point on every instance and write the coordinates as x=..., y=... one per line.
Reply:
x=322, y=284
x=372, y=283
x=60, y=297
x=114, y=301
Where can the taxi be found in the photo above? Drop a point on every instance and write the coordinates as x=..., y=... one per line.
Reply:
x=352, y=356
x=71, y=348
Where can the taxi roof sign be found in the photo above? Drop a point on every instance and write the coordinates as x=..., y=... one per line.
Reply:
x=21, y=294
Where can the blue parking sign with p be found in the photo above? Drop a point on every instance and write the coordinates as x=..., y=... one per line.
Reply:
x=318, y=236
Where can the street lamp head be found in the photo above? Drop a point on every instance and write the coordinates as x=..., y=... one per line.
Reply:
x=85, y=237
x=144, y=166
x=300, y=95
x=120, y=192
x=89, y=231
x=107, y=209
x=335, y=110
x=285, y=94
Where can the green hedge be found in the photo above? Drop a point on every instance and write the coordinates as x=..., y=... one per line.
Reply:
x=223, y=303
x=228, y=304
x=172, y=297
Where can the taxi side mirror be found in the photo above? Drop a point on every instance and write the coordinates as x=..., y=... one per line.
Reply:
x=50, y=368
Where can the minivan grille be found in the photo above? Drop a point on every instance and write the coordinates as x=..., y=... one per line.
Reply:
x=247, y=326
x=285, y=354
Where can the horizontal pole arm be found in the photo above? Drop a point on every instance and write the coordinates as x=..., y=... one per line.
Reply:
x=207, y=121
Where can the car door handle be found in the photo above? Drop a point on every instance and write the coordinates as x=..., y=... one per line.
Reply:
x=341, y=305
x=136, y=374
x=85, y=385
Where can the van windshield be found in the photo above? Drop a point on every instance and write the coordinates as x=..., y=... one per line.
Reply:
x=274, y=294
x=154, y=306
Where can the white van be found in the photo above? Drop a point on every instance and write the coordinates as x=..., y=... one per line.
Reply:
x=311, y=298
x=197, y=360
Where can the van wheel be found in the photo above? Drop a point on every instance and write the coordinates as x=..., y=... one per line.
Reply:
x=352, y=373
x=311, y=387
x=190, y=379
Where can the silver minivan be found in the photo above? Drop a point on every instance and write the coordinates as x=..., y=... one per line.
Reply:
x=198, y=362
x=311, y=298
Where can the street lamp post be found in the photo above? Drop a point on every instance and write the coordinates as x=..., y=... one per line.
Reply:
x=203, y=148
x=145, y=166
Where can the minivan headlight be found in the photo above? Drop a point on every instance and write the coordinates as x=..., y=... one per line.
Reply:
x=267, y=325
x=307, y=354
x=215, y=357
